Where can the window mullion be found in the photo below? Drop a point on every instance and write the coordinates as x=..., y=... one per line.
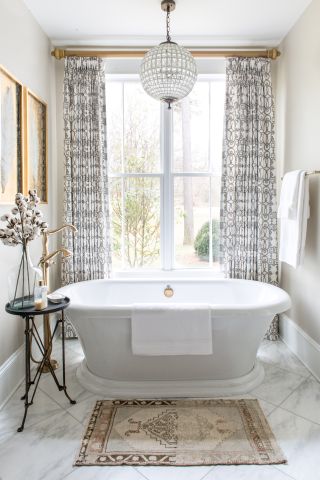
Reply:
x=167, y=190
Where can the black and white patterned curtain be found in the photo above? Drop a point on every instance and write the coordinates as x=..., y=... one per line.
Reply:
x=85, y=181
x=248, y=186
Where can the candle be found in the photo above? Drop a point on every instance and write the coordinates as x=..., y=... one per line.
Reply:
x=39, y=304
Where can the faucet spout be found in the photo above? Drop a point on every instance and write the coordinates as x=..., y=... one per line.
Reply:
x=67, y=225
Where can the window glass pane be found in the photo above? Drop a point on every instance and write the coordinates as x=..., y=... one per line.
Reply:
x=191, y=131
x=191, y=214
x=135, y=222
x=116, y=208
x=141, y=130
x=217, y=100
x=215, y=220
x=114, y=125
x=141, y=245
x=195, y=247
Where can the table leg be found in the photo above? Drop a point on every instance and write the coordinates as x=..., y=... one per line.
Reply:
x=64, y=387
x=27, y=372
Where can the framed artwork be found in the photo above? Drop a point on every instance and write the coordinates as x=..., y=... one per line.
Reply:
x=36, y=146
x=11, y=137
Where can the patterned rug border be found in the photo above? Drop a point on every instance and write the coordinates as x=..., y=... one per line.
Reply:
x=139, y=459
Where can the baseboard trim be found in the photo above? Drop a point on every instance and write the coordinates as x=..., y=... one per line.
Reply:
x=301, y=344
x=11, y=375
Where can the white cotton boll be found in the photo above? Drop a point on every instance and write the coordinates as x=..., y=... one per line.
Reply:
x=5, y=217
x=15, y=210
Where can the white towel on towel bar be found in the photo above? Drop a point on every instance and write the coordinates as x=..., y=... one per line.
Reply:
x=293, y=229
x=175, y=329
x=288, y=206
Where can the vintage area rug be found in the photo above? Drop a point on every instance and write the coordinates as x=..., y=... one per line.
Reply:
x=178, y=433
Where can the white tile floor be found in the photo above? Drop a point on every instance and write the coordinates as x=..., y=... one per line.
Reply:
x=289, y=396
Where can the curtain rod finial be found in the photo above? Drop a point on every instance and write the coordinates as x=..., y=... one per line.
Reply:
x=58, y=53
x=274, y=53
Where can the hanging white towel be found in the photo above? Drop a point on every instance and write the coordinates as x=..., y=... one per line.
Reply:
x=175, y=329
x=294, y=214
x=288, y=207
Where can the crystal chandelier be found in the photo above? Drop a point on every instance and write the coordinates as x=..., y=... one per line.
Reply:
x=168, y=72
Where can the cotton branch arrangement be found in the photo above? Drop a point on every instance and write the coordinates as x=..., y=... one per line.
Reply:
x=25, y=222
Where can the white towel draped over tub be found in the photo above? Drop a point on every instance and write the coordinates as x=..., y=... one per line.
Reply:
x=293, y=213
x=175, y=329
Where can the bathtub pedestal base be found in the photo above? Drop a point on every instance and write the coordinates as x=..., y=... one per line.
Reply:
x=109, y=389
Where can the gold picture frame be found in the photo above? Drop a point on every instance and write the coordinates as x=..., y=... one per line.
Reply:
x=36, y=145
x=11, y=137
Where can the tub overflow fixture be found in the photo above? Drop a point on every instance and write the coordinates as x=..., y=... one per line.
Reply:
x=168, y=291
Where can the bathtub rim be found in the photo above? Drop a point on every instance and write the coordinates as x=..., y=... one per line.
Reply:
x=144, y=389
x=274, y=307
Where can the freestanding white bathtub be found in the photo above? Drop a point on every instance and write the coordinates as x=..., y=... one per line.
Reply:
x=242, y=311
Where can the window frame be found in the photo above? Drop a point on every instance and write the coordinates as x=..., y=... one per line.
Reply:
x=166, y=177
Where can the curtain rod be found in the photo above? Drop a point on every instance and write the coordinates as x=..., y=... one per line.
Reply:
x=60, y=53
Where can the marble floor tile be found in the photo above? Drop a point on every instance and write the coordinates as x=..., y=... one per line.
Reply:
x=279, y=355
x=246, y=472
x=75, y=390
x=300, y=442
x=174, y=473
x=305, y=400
x=277, y=384
x=82, y=410
x=266, y=407
x=104, y=473
x=74, y=344
x=12, y=413
x=43, y=451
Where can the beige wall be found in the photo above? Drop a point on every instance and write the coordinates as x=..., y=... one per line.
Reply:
x=25, y=52
x=298, y=129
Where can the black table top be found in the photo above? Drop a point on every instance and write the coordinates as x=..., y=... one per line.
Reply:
x=31, y=312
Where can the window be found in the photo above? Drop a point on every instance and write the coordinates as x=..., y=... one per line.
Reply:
x=164, y=170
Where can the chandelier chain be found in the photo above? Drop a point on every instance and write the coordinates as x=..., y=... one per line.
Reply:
x=168, y=24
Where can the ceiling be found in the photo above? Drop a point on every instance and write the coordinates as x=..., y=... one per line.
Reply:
x=194, y=22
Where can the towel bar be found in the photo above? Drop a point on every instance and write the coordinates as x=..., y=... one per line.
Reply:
x=312, y=172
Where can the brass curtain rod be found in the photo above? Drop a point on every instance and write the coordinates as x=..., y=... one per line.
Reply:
x=60, y=53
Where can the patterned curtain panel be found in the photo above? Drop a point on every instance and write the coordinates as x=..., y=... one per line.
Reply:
x=248, y=189
x=85, y=181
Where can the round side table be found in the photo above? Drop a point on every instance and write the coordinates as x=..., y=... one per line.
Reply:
x=31, y=332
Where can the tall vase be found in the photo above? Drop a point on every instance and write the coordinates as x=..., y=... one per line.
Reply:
x=22, y=280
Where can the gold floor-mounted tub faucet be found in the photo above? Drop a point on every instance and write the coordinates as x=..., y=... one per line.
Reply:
x=45, y=263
